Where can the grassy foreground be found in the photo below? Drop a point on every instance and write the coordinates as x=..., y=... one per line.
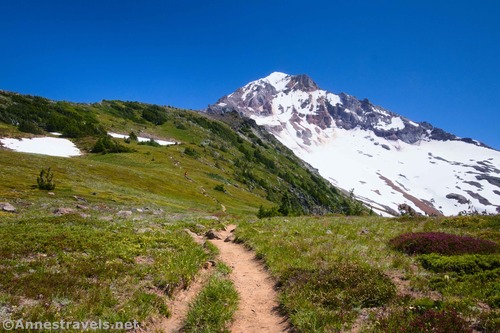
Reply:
x=213, y=309
x=82, y=269
x=339, y=273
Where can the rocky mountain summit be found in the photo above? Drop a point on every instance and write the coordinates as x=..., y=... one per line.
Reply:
x=386, y=158
x=301, y=97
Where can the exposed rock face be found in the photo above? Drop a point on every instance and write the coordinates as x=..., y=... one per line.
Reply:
x=460, y=198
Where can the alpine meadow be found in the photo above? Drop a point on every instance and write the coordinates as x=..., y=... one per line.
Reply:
x=127, y=212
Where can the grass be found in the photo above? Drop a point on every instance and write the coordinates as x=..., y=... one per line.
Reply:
x=80, y=269
x=259, y=173
x=212, y=310
x=332, y=269
x=128, y=179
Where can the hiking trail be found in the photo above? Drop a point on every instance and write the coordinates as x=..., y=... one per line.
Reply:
x=258, y=306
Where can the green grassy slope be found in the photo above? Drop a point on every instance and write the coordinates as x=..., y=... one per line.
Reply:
x=335, y=272
x=255, y=169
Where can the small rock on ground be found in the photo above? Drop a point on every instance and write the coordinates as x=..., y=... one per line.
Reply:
x=124, y=213
x=77, y=198
x=7, y=207
x=63, y=211
x=230, y=238
x=212, y=234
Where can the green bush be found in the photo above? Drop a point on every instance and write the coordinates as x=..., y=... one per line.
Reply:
x=460, y=284
x=191, y=152
x=29, y=127
x=220, y=188
x=151, y=143
x=464, y=264
x=343, y=285
x=106, y=145
x=133, y=137
x=46, y=180
x=155, y=114
x=270, y=212
x=181, y=126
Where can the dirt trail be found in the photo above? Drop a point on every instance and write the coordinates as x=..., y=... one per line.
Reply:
x=257, y=312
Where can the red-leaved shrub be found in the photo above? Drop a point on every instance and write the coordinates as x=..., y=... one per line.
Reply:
x=429, y=321
x=442, y=243
x=443, y=321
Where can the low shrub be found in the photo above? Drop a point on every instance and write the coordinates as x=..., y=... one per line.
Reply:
x=107, y=145
x=443, y=321
x=456, y=284
x=464, y=264
x=268, y=212
x=442, y=243
x=345, y=284
x=416, y=321
x=488, y=322
x=191, y=152
x=133, y=137
x=151, y=143
x=220, y=188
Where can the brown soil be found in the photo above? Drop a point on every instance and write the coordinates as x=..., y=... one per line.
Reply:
x=426, y=207
x=257, y=312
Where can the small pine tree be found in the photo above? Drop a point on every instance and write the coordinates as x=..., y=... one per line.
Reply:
x=262, y=212
x=99, y=146
x=45, y=180
x=133, y=137
x=286, y=206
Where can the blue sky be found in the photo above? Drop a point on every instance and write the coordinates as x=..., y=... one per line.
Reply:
x=435, y=61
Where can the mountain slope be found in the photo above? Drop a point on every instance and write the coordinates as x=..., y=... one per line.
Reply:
x=385, y=158
x=211, y=166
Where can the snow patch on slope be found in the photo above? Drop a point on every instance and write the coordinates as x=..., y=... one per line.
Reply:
x=394, y=123
x=141, y=139
x=44, y=146
x=277, y=80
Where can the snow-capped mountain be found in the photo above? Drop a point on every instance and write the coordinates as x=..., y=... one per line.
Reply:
x=385, y=158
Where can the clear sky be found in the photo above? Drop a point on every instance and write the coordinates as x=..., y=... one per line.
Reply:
x=435, y=61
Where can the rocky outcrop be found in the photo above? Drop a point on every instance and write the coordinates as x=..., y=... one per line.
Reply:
x=460, y=198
